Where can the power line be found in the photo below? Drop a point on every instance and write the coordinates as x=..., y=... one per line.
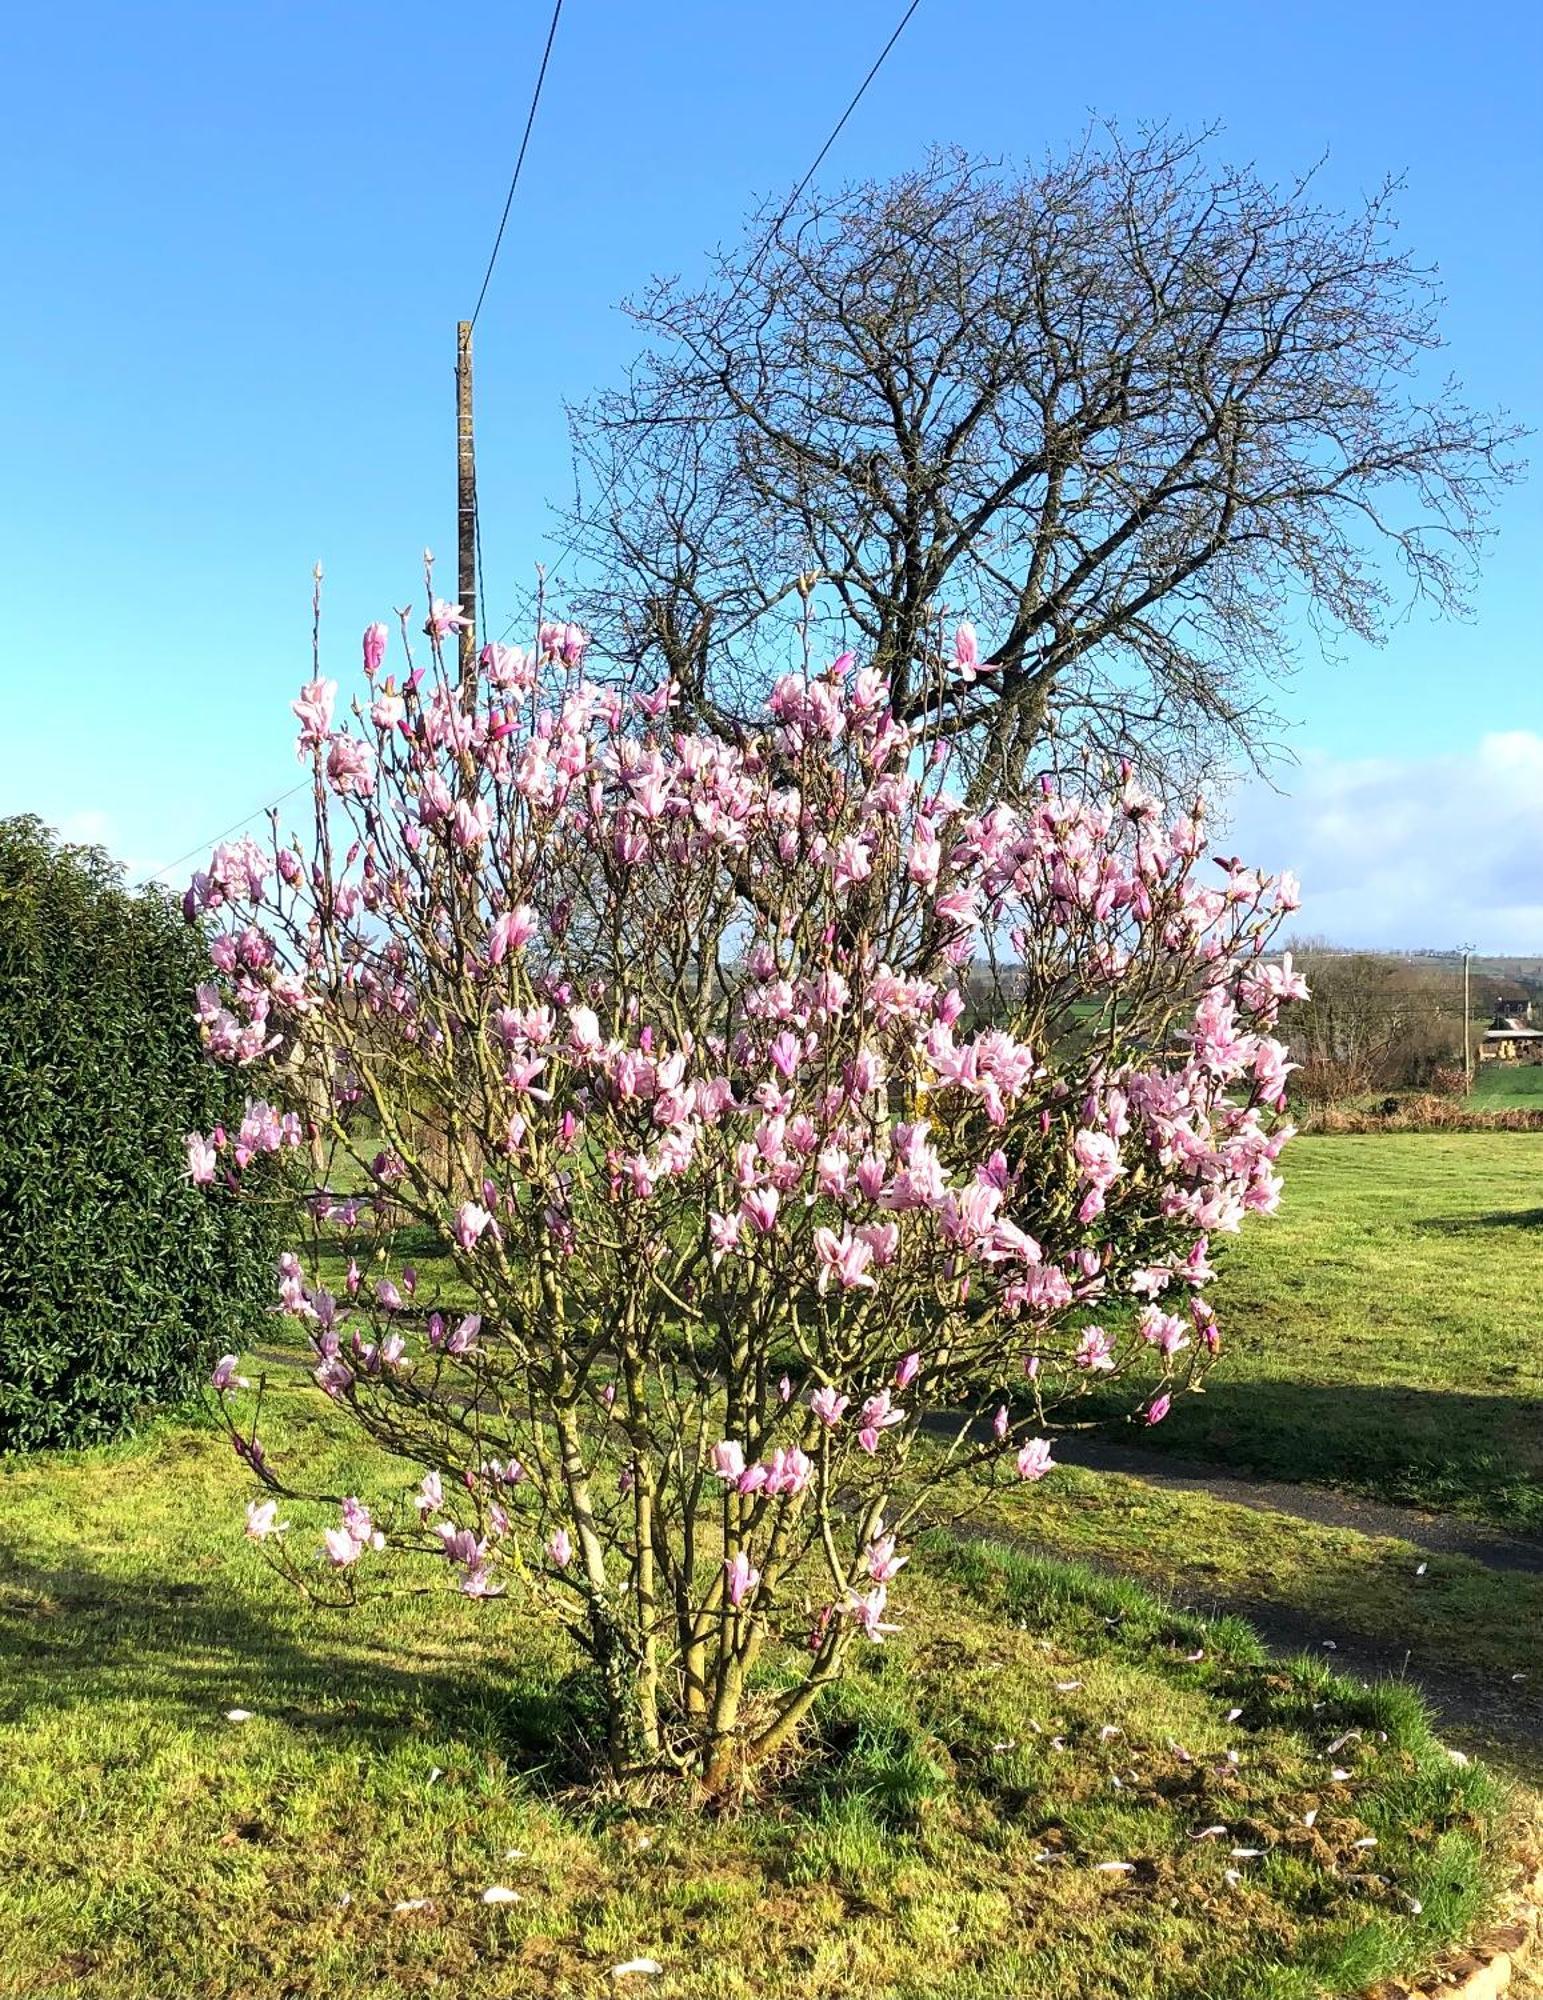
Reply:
x=771, y=236
x=787, y=209
x=214, y=839
x=862, y=88
x=535, y=99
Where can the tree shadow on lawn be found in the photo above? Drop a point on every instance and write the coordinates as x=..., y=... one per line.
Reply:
x=1442, y=1451
x=71, y=1635
x=1499, y=1218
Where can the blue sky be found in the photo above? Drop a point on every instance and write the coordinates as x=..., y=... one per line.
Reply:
x=239, y=239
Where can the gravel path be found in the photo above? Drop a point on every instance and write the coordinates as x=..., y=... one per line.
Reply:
x=1440, y=1534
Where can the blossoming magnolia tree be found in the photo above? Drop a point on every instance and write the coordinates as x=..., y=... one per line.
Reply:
x=770, y=1107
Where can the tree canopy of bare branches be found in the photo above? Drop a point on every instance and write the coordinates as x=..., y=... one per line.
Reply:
x=1133, y=413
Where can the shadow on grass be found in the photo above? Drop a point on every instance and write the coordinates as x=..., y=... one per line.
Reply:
x=1478, y=1456
x=71, y=1635
x=1498, y=1218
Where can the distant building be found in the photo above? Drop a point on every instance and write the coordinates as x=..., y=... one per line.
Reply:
x=1512, y=1037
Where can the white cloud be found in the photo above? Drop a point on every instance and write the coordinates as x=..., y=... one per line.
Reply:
x=1418, y=851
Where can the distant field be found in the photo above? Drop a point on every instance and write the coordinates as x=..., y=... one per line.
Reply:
x=1385, y=1330
x=1503, y=1089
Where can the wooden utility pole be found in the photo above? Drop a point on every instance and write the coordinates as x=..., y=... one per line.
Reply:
x=1467, y=1019
x=466, y=512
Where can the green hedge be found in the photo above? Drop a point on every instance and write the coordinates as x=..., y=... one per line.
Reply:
x=119, y=1280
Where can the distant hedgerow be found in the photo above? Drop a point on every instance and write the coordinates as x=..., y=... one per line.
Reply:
x=118, y=1279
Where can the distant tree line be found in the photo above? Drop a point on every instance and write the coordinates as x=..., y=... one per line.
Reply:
x=1382, y=1021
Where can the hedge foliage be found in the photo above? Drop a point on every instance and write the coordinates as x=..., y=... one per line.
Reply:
x=118, y=1279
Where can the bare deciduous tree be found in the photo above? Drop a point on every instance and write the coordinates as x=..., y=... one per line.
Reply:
x=1130, y=412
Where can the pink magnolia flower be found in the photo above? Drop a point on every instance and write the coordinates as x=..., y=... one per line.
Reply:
x=225, y=1376
x=1034, y=1461
x=740, y=1578
x=1159, y=1409
x=203, y=1159
x=510, y=932
x=444, y=619
x=882, y=1564
x=868, y=1612
x=967, y=659
x=728, y=1459
x=376, y=639
x=878, y=1414
x=854, y=862
x=262, y=1520
x=1098, y=1157
x=346, y=1544
x=759, y=1208
x=908, y=1371
x=313, y=711
x=788, y=1470
x=827, y=1405
x=560, y=1548
x=1095, y=1351
x=472, y=1222
x=845, y=1257
x=351, y=767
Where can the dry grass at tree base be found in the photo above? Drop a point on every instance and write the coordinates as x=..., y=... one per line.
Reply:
x=944, y=1835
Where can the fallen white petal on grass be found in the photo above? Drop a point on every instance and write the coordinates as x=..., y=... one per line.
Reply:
x=1247, y=1853
x=1106, y=1732
x=1209, y=1833
x=1369, y=1841
x=1339, y=1774
x=514, y=1854
x=649, y=1966
x=240, y=1715
x=1233, y=1714
x=1340, y=1741
x=1067, y=1687
x=1234, y=1876
x=1115, y=1868
x=1415, y=1905
x=1191, y=1658
x=410, y=1903
x=498, y=1894
x=1309, y=1816
x=435, y=1774
x=1329, y=1645
x=1421, y=1568
x=1459, y=1758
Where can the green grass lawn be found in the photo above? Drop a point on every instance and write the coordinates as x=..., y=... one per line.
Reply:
x=1384, y=1332
x=944, y=1837
x=1499, y=1087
